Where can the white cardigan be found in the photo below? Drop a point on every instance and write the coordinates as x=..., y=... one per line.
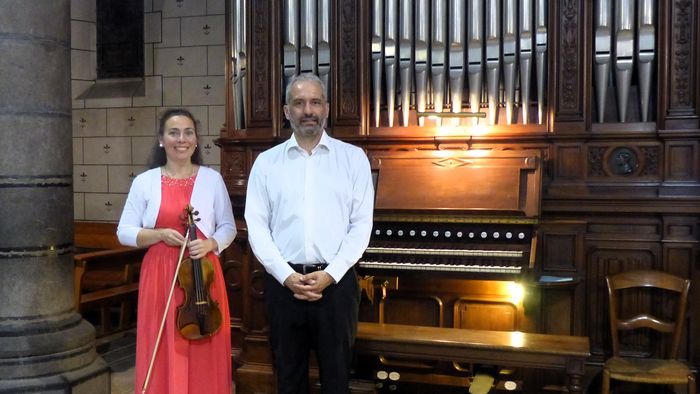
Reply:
x=209, y=197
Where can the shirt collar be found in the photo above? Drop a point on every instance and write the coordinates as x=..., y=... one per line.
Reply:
x=323, y=143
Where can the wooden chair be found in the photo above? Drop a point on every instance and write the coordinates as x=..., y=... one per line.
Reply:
x=645, y=370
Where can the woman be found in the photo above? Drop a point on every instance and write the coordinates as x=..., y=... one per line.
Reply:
x=152, y=218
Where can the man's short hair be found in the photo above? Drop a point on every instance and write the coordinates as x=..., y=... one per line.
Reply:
x=303, y=78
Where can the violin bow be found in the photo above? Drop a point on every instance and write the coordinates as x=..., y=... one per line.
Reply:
x=165, y=314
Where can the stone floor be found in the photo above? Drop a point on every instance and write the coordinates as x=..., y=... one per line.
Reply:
x=119, y=352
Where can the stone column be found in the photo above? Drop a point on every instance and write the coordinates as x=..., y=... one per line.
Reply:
x=45, y=346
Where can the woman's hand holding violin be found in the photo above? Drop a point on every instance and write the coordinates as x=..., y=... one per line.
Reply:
x=200, y=247
x=171, y=237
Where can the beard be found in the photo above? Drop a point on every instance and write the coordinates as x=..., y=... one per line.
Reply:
x=309, y=130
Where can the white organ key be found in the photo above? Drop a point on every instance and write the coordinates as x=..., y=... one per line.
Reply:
x=446, y=252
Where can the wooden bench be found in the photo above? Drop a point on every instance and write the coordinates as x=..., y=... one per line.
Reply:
x=105, y=276
x=516, y=349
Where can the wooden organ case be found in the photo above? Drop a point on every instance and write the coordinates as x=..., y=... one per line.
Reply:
x=588, y=147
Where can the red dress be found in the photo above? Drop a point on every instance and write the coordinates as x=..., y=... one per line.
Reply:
x=181, y=366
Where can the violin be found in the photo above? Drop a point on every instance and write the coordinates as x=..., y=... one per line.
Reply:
x=199, y=316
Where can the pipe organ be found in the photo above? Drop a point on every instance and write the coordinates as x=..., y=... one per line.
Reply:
x=625, y=40
x=478, y=53
x=575, y=123
x=238, y=64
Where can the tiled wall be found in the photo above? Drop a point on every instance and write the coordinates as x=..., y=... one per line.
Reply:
x=112, y=137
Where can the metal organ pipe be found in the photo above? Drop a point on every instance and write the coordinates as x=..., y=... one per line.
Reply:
x=456, y=54
x=239, y=62
x=475, y=56
x=377, y=53
x=493, y=56
x=438, y=53
x=290, y=40
x=421, y=55
x=624, y=39
x=540, y=53
x=406, y=56
x=525, y=56
x=324, y=43
x=603, y=39
x=624, y=53
x=390, y=52
x=307, y=44
x=509, y=40
x=645, y=53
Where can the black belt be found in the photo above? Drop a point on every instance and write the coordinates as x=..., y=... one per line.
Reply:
x=308, y=268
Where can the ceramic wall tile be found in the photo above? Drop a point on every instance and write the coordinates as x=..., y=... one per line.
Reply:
x=107, y=150
x=172, y=91
x=176, y=8
x=141, y=149
x=130, y=121
x=216, y=60
x=200, y=115
x=104, y=206
x=170, y=36
x=78, y=206
x=90, y=179
x=215, y=7
x=83, y=64
x=147, y=60
x=179, y=62
x=114, y=102
x=83, y=35
x=203, y=90
x=77, y=88
x=217, y=119
x=89, y=122
x=83, y=10
x=154, y=93
x=203, y=30
x=210, y=152
x=151, y=27
x=120, y=177
x=77, y=151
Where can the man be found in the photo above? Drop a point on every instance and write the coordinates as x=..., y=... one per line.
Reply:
x=309, y=214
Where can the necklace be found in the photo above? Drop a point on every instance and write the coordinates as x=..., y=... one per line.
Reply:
x=179, y=174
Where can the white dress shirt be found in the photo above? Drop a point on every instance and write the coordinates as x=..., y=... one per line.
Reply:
x=209, y=198
x=310, y=208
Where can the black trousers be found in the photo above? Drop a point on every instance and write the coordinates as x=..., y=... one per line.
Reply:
x=328, y=326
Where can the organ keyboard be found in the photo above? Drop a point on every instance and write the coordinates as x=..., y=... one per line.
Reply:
x=470, y=215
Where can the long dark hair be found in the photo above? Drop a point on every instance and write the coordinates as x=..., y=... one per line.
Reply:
x=158, y=157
